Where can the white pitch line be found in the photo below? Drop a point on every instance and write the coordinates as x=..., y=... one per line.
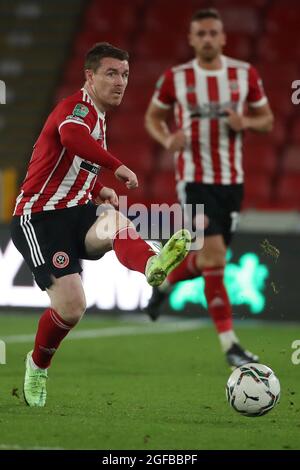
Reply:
x=118, y=331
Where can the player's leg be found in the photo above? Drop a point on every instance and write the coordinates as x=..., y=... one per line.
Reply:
x=188, y=269
x=112, y=230
x=66, y=309
x=211, y=260
x=211, y=255
x=49, y=245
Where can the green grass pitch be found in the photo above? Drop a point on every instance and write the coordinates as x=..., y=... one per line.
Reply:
x=145, y=391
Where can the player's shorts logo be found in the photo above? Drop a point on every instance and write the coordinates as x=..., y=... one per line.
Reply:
x=60, y=260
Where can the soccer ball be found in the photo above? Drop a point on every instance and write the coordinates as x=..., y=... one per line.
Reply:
x=253, y=389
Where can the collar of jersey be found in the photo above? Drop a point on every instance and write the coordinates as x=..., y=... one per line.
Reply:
x=211, y=73
x=100, y=114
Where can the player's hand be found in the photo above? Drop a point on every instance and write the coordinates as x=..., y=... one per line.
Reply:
x=175, y=141
x=107, y=195
x=234, y=120
x=127, y=176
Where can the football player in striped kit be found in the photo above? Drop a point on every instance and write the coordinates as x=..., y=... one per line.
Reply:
x=55, y=222
x=208, y=96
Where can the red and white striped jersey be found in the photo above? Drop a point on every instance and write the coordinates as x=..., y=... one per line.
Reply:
x=57, y=178
x=213, y=152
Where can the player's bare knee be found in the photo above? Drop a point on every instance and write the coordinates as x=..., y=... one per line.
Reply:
x=123, y=222
x=72, y=308
x=109, y=223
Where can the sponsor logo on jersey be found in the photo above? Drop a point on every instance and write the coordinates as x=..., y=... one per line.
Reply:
x=190, y=89
x=234, y=86
x=80, y=110
x=60, y=260
x=89, y=167
x=211, y=110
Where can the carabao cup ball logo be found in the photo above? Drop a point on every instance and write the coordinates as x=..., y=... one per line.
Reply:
x=60, y=259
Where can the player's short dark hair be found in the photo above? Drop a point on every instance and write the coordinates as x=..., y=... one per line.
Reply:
x=99, y=51
x=206, y=13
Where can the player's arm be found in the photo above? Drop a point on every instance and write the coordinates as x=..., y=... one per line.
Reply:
x=77, y=139
x=156, y=119
x=259, y=119
x=101, y=194
x=259, y=116
x=159, y=111
x=75, y=122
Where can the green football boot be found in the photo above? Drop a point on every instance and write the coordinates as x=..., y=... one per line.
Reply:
x=170, y=256
x=34, y=390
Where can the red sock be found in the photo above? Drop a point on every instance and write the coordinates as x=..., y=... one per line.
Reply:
x=186, y=270
x=51, y=331
x=131, y=250
x=217, y=299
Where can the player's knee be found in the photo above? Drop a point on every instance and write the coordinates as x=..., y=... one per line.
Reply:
x=109, y=223
x=122, y=221
x=215, y=259
x=73, y=308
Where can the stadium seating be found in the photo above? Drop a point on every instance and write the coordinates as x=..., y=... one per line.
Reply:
x=260, y=158
x=287, y=191
x=291, y=159
x=257, y=191
x=163, y=188
x=295, y=133
x=259, y=31
x=34, y=44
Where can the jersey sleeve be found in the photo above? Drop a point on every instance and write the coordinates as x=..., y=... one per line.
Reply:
x=76, y=112
x=164, y=95
x=256, y=94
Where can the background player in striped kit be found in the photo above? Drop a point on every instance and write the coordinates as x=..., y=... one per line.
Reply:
x=208, y=95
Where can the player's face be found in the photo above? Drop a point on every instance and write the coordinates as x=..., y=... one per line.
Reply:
x=109, y=81
x=207, y=38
